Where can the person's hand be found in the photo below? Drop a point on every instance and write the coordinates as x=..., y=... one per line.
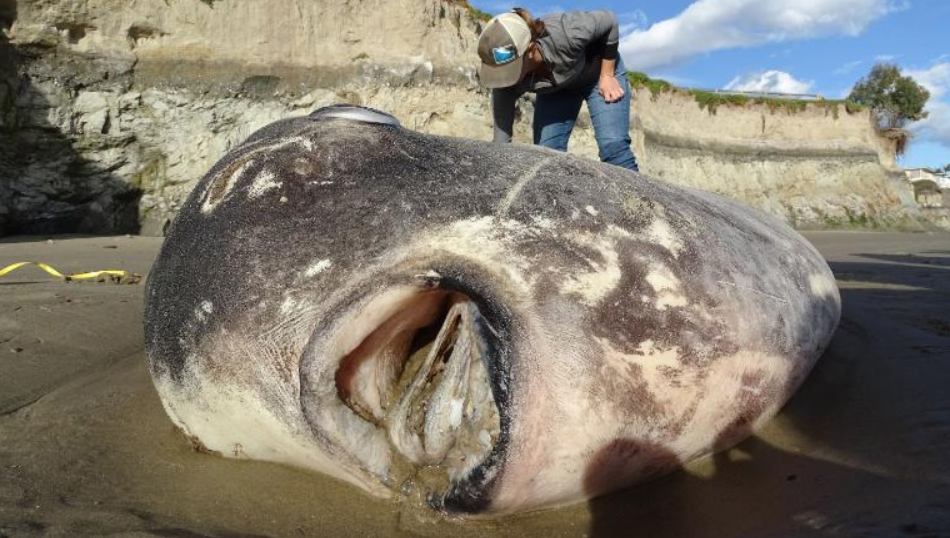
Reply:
x=610, y=88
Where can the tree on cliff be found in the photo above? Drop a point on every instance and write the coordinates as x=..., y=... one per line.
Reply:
x=895, y=99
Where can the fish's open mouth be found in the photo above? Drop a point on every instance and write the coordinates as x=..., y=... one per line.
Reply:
x=423, y=374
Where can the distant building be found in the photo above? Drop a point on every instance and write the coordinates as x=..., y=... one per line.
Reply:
x=918, y=174
x=931, y=187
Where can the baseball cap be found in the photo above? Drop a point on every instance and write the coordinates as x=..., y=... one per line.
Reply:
x=501, y=48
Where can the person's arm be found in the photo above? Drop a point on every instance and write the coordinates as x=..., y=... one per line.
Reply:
x=606, y=28
x=609, y=86
x=585, y=28
x=503, y=101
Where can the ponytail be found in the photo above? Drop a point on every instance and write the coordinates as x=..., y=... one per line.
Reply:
x=537, y=27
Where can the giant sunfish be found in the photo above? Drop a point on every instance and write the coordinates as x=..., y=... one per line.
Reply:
x=491, y=328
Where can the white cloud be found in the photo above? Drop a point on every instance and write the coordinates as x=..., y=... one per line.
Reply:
x=770, y=81
x=710, y=25
x=885, y=58
x=936, y=127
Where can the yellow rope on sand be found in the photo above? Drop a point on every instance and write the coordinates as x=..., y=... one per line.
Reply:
x=112, y=275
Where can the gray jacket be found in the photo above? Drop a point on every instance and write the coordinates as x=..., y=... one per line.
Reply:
x=573, y=46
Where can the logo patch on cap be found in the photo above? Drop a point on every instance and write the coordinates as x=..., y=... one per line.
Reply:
x=504, y=55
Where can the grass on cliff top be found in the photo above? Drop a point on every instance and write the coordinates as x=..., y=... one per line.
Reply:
x=655, y=85
x=711, y=101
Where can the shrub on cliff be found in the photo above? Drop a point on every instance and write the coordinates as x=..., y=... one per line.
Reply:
x=895, y=99
x=642, y=80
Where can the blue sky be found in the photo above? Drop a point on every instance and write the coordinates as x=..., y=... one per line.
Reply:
x=798, y=46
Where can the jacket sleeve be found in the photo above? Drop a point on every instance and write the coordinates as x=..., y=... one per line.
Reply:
x=588, y=27
x=503, y=102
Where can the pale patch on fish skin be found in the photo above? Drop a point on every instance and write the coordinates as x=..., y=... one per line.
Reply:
x=281, y=143
x=660, y=278
x=670, y=300
x=519, y=186
x=302, y=167
x=648, y=355
x=317, y=268
x=662, y=234
x=543, y=223
x=288, y=306
x=263, y=183
x=667, y=288
x=646, y=347
x=595, y=285
x=822, y=286
x=490, y=240
x=305, y=143
x=209, y=205
x=204, y=309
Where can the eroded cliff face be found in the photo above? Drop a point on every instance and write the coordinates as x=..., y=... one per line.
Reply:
x=110, y=111
x=818, y=167
x=256, y=33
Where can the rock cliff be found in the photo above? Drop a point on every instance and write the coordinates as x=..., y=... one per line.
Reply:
x=818, y=166
x=111, y=110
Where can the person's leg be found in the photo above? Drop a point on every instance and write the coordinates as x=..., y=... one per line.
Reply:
x=554, y=117
x=612, y=124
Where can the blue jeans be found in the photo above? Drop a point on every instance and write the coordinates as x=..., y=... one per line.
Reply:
x=555, y=114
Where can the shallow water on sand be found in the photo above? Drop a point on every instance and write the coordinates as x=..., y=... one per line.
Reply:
x=861, y=450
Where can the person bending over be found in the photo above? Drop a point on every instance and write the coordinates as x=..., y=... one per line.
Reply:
x=566, y=59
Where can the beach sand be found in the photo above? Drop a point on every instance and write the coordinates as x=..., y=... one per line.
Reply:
x=863, y=449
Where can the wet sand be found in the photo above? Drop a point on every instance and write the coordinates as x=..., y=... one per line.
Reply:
x=863, y=449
